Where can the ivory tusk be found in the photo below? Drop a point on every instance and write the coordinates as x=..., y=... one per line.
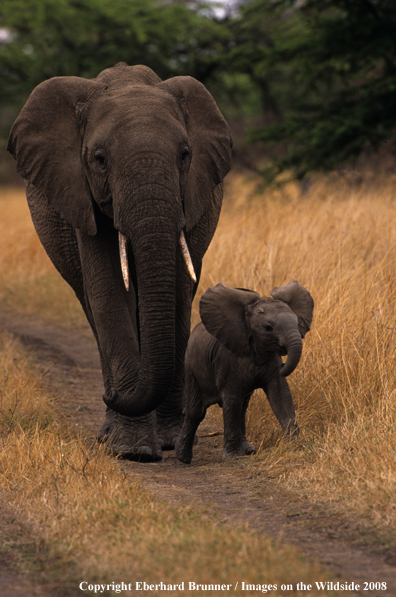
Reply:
x=122, y=241
x=187, y=256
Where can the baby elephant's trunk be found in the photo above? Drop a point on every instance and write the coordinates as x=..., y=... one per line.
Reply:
x=293, y=345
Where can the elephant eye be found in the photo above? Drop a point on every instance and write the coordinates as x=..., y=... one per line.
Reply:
x=268, y=327
x=185, y=154
x=100, y=158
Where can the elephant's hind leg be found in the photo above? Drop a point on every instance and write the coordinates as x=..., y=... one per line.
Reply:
x=235, y=443
x=246, y=446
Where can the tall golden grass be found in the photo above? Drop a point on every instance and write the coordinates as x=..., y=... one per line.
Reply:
x=28, y=281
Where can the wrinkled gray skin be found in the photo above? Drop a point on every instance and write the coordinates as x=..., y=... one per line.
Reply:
x=235, y=350
x=127, y=152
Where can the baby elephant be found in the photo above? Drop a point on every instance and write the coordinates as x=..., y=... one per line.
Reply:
x=236, y=349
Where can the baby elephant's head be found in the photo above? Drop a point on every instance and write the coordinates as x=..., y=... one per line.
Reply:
x=248, y=324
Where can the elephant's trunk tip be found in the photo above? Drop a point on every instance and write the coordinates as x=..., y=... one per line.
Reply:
x=294, y=351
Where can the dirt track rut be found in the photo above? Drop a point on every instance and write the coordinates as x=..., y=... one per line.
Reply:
x=72, y=364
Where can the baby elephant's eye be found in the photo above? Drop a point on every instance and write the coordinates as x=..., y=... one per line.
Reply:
x=268, y=327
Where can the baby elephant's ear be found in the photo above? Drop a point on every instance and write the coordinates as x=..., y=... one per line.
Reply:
x=299, y=301
x=222, y=311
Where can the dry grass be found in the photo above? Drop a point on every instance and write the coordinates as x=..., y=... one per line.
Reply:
x=28, y=280
x=340, y=243
x=92, y=524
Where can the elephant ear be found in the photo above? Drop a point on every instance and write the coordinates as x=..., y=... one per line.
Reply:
x=300, y=302
x=210, y=140
x=45, y=142
x=223, y=313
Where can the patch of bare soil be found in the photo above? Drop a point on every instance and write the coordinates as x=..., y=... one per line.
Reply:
x=16, y=545
x=345, y=546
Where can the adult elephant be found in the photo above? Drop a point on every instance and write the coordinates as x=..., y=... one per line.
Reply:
x=127, y=163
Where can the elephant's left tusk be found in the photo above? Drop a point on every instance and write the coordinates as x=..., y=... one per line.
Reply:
x=122, y=241
x=187, y=256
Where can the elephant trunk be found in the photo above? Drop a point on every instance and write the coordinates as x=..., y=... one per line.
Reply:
x=154, y=244
x=293, y=345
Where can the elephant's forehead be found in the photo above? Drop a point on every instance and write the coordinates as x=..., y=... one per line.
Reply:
x=271, y=306
x=137, y=102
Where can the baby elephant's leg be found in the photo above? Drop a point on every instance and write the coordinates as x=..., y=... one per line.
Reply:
x=195, y=411
x=233, y=444
x=281, y=401
x=247, y=446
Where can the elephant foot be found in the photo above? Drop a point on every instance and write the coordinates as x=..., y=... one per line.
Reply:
x=231, y=454
x=131, y=438
x=184, y=456
x=169, y=430
x=247, y=447
x=244, y=449
x=184, y=451
x=292, y=431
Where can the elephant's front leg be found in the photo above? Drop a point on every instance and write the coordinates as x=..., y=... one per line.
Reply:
x=169, y=413
x=281, y=401
x=115, y=329
x=132, y=438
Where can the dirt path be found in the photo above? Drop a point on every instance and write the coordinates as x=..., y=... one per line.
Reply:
x=74, y=375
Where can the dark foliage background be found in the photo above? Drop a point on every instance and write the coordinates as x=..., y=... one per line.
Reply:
x=306, y=85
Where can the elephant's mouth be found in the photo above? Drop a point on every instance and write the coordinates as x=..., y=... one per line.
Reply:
x=123, y=242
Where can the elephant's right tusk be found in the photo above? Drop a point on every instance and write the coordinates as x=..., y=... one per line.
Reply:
x=187, y=256
x=122, y=241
